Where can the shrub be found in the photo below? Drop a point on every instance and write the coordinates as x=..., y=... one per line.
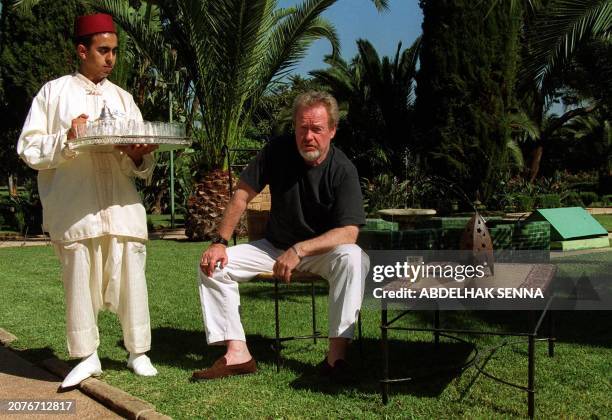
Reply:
x=584, y=186
x=573, y=200
x=524, y=202
x=607, y=200
x=588, y=197
x=605, y=184
x=385, y=191
x=549, y=201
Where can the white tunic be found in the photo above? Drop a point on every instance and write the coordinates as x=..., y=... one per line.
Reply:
x=89, y=194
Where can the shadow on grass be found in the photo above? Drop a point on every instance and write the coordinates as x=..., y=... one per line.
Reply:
x=431, y=368
x=579, y=327
x=187, y=349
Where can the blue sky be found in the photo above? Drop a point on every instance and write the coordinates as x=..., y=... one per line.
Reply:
x=356, y=19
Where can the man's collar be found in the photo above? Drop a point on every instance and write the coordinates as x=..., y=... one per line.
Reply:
x=91, y=87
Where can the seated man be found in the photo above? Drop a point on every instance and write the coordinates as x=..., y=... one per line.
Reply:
x=317, y=209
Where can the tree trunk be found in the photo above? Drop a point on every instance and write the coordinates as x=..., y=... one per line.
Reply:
x=12, y=184
x=536, y=158
x=157, y=207
x=553, y=126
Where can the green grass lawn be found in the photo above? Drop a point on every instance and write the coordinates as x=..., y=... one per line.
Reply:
x=605, y=220
x=573, y=384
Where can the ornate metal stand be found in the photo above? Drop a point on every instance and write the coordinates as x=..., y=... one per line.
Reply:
x=476, y=356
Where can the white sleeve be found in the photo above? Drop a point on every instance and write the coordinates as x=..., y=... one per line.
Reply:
x=36, y=146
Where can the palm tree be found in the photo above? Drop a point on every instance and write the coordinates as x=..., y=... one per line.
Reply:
x=559, y=29
x=376, y=96
x=556, y=31
x=597, y=131
x=233, y=50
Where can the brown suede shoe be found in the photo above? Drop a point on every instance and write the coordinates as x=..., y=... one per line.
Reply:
x=220, y=369
x=341, y=373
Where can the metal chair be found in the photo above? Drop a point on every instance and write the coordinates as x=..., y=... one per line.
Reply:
x=296, y=277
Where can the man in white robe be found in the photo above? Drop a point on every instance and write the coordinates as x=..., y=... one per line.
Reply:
x=91, y=207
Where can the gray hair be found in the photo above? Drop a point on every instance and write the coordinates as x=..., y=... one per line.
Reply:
x=317, y=97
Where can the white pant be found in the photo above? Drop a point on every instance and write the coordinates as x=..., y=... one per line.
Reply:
x=104, y=273
x=345, y=267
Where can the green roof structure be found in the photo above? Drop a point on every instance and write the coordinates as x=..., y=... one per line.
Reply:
x=572, y=228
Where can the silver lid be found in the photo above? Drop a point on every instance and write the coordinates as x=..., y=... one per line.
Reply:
x=106, y=114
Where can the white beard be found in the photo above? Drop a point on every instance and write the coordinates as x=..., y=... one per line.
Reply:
x=310, y=156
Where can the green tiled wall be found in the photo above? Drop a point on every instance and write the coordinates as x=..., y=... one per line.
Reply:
x=532, y=235
x=501, y=235
x=505, y=235
x=444, y=223
x=380, y=224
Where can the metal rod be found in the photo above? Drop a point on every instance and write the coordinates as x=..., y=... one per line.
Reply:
x=225, y=152
x=398, y=317
x=360, y=336
x=277, y=322
x=541, y=318
x=531, y=379
x=171, y=170
x=385, y=350
x=531, y=371
x=448, y=330
x=551, y=334
x=437, y=328
x=314, y=314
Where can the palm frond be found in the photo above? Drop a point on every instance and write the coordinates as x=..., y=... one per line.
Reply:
x=144, y=31
x=24, y=6
x=559, y=29
x=521, y=123
x=293, y=35
x=381, y=5
x=515, y=153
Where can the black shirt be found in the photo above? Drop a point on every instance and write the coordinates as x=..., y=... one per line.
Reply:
x=307, y=201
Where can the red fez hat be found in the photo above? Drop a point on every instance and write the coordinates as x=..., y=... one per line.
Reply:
x=93, y=24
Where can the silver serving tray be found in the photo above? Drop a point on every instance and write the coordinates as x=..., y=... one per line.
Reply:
x=108, y=143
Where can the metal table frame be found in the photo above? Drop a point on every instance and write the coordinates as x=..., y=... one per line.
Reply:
x=536, y=320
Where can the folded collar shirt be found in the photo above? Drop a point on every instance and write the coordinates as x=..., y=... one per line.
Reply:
x=83, y=194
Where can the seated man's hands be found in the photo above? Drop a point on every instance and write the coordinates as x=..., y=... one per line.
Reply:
x=285, y=264
x=137, y=151
x=215, y=253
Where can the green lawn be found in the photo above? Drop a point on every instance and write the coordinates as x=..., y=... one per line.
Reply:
x=573, y=384
x=605, y=220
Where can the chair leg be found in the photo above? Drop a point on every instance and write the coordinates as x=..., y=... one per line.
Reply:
x=437, y=327
x=360, y=336
x=531, y=377
x=277, y=343
x=551, y=334
x=384, y=384
x=314, y=313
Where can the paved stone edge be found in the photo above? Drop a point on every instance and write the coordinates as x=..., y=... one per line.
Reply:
x=119, y=401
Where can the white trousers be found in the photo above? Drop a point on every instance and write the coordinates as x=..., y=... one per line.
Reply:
x=105, y=273
x=345, y=267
